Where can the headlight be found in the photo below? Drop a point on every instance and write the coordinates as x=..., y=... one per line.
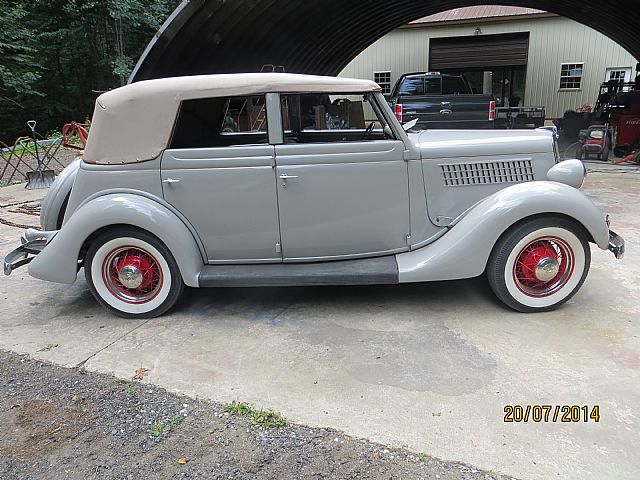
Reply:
x=569, y=172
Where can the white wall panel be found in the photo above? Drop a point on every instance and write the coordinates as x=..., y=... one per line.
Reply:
x=552, y=41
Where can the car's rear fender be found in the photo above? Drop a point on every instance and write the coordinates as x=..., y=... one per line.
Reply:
x=464, y=250
x=58, y=261
x=55, y=202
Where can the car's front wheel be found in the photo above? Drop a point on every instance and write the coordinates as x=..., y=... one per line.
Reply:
x=132, y=273
x=539, y=264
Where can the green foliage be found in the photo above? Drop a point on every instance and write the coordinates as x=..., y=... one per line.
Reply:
x=56, y=56
x=132, y=390
x=177, y=420
x=268, y=419
x=241, y=408
x=263, y=418
x=157, y=429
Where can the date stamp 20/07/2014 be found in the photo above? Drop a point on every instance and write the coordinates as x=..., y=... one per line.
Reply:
x=551, y=413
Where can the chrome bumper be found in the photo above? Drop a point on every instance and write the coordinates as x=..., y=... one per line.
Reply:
x=23, y=254
x=616, y=244
x=32, y=244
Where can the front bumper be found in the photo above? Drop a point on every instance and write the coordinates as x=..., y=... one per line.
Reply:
x=23, y=254
x=616, y=244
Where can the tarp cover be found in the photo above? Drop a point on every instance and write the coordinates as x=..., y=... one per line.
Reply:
x=134, y=123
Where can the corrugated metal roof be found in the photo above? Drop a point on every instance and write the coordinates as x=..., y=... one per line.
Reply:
x=478, y=12
x=323, y=36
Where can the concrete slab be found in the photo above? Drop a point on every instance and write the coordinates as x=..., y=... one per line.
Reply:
x=428, y=366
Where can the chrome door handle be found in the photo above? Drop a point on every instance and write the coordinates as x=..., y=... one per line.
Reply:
x=445, y=111
x=171, y=180
x=284, y=177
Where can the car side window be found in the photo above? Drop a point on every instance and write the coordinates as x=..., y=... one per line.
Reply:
x=221, y=122
x=330, y=117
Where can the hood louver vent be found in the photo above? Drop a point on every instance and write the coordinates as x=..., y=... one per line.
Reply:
x=485, y=173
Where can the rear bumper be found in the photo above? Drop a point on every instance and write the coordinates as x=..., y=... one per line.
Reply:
x=23, y=254
x=616, y=244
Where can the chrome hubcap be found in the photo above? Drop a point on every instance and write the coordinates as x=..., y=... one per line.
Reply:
x=130, y=276
x=547, y=269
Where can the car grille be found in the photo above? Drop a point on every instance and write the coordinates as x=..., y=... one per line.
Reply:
x=483, y=173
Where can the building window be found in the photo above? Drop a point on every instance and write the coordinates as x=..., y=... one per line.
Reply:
x=571, y=75
x=384, y=80
x=618, y=74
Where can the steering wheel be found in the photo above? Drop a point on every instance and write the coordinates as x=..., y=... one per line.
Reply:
x=368, y=131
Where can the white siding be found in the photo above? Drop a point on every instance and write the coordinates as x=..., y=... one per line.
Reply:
x=552, y=41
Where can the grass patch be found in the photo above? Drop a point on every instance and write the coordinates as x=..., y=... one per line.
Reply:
x=268, y=418
x=263, y=418
x=177, y=420
x=132, y=390
x=157, y=429
x=241, y=408
x=120, y=380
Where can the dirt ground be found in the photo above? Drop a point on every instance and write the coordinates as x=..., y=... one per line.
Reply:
x=68, y=423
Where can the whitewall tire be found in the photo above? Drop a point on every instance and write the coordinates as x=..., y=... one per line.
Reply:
x=539, y=264
x=132, y=273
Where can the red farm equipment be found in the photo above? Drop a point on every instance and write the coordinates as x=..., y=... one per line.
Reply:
x=625, y=118
x=615, y=123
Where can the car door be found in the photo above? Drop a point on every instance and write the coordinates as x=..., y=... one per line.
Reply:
x=340, y=195
x=219, y=173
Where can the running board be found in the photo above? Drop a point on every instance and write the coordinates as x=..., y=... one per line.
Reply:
x=368, y=271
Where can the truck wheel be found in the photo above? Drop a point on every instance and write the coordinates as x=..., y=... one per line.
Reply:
x=540, y=264
x=132, y=274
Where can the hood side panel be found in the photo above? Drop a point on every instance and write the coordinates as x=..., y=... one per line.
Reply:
x=463, y=167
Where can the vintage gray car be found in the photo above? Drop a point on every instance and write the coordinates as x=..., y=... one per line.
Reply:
x=277, y=179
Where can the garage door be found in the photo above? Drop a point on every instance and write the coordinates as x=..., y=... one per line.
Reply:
x=479, y=51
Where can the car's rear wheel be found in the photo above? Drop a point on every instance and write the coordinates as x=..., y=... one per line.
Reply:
x=539, y=264
x=132, y=273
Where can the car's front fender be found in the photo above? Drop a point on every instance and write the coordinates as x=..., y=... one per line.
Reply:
x=464, y=250
x=58, y=261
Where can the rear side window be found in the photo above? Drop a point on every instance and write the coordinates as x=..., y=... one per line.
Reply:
x=412, y=86
x=221, y=122
x=453, y=85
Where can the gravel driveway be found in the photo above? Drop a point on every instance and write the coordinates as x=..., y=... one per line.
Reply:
x=68, y=423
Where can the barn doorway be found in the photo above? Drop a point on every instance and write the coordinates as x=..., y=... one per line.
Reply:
x=493, y=64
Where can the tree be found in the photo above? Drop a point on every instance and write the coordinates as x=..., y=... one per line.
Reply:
x=56, y=56
x=19, y=69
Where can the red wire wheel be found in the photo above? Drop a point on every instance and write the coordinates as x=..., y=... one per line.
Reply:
x=132, y=274
x=543, y=267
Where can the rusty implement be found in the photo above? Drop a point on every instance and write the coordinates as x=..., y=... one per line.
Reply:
x=41, y=177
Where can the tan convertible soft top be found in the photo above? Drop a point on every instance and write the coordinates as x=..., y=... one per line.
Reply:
x=133, y=123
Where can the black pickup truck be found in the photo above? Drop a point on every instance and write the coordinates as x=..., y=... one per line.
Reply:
x=441, y=100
